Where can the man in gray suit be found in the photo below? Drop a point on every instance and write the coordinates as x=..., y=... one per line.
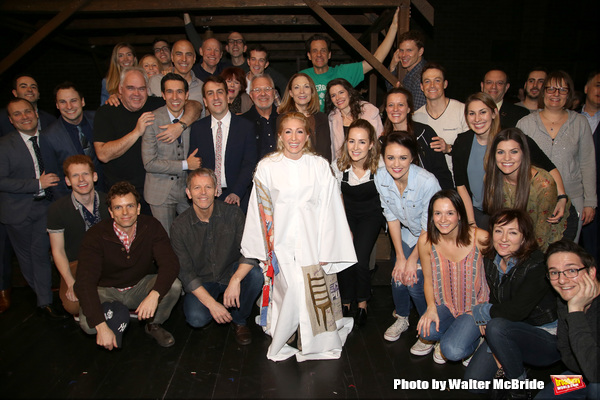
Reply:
x=166, y=163
x=25, y=193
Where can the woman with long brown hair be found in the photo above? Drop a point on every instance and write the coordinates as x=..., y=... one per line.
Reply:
x=123, y=56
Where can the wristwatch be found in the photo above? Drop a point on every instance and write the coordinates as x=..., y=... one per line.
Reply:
x=183, y=125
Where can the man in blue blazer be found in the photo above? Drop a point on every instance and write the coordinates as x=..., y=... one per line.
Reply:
x=72, y=133
x=25, y=193
x=237, y=138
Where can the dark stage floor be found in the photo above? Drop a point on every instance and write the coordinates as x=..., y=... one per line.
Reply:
x=42, y=359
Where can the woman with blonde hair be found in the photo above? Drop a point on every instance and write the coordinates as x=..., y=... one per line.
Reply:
x=123, y=56
x=296, y=227
x=301, y=96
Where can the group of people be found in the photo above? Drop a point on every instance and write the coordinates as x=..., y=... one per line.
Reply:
x=290, y=184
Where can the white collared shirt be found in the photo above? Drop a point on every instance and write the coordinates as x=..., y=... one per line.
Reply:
x=36, y=165
x=225, y=123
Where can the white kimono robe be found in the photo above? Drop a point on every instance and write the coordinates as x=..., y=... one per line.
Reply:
x=310, y=227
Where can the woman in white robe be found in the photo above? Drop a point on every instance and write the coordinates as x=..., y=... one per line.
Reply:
x=297, y=228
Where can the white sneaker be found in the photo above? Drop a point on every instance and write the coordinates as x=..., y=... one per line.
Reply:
x=466, y=361
x=422, y=347
x=438, y=357
x=393, y=332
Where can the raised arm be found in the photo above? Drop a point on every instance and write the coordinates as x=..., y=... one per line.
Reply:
x=385, y=46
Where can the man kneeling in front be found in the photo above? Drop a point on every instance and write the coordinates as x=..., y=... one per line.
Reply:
x=118, y=262
x=206, y=238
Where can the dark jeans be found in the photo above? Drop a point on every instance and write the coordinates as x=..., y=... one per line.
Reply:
x=355, y=281
x=403, y=294
x=196, y=313
x=514, y=344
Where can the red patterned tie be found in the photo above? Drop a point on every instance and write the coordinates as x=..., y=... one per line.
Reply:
x=219, y=157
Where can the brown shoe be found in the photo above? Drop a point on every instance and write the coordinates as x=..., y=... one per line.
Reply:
x=242, y=333
x=162, y=337
x=4, y=300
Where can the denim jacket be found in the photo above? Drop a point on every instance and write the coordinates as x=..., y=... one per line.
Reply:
x=410, y=208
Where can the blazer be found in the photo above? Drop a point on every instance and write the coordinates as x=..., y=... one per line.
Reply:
x=510, y=114
x=18, y=183
x=62, y=146
x=240, y=151
x=163, y=161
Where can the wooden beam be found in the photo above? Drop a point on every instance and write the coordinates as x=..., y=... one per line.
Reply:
x=425, y=9
x=119, y=6
x=381, y=23
x=247, y=20
x=38, y=36
x=352, y=41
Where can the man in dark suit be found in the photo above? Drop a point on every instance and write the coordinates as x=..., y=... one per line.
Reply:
x=25, y=87
x=72, y=133
x=226, y=143
x=25, y=193
x=496, y=84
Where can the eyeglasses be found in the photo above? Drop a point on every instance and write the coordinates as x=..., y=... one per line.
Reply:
x=159, y=49
x=568, y=273
x=267, y=89
x=235, y=41
x=552, y=90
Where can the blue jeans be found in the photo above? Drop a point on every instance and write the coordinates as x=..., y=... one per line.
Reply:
x=403, y=294
x=514, y=344
x=458, y=336
x=196, y=313
x=589, y=392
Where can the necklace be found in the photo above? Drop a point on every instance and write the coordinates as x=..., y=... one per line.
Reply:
x=558, y=121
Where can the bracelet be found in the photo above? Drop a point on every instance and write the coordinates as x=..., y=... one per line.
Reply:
x=562, y=196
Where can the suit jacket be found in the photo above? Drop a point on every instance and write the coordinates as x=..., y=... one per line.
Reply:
x=163, y=161
x=18, y=183
x=240, y=151
x=510, y=114
x=63, y=147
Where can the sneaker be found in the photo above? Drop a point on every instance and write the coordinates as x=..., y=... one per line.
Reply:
x=422, y=347
x=438, y=357
x=466, y=361
x=76, y=317
x=393, y=332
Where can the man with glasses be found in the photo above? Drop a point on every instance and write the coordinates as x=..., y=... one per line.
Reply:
x=572, y=273
x=162, y=51
x=495, y=83
x=236, y=47
x=263, y=114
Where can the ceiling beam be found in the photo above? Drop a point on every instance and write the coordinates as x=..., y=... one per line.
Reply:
x=249, y=20
x=425, y=9
x=70, y=9
x=45, y=6
x=352, y=41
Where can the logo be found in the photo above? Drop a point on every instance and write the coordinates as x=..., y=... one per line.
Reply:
x=567, y=383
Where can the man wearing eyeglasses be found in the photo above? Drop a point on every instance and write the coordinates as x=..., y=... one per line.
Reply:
x=495, y=83
x=236, y=47
x=572, y=273
x=162, y=51
x=263, y=114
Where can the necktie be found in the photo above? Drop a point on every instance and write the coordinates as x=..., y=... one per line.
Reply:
x=38, y=155
x=219, y=157
x=85, y=144
x=180, y=136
